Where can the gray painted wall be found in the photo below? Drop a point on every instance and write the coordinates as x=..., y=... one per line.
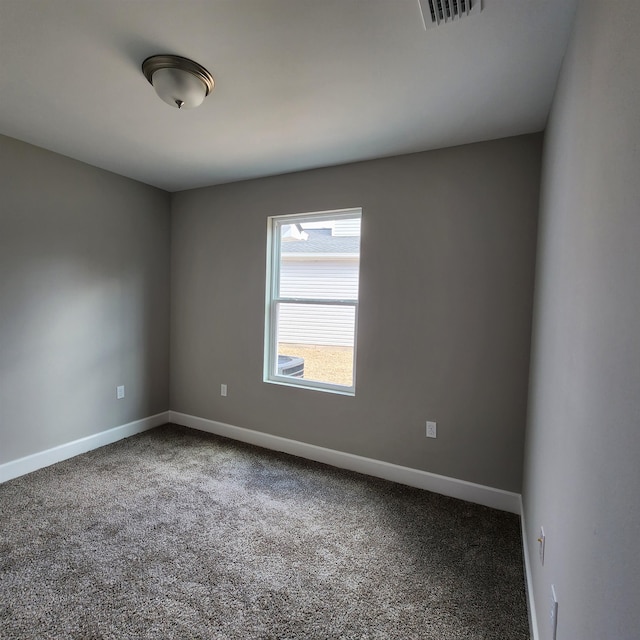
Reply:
x=446, y=289
x=582, y=469
x=84, y=299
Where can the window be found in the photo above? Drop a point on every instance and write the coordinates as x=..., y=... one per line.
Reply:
x=313, y=269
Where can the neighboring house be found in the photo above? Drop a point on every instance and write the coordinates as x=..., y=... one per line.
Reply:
x=323, y=265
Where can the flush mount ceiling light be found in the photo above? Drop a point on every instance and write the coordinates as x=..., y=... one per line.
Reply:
x=178, y=81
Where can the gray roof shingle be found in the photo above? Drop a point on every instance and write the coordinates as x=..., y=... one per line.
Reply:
x=321, y=241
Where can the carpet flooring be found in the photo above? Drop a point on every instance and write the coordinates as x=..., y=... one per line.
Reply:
x=177, y=534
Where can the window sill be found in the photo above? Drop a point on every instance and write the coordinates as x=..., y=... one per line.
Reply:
x=310, y=386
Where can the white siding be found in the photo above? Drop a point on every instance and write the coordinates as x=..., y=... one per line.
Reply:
x=315, y=324
x=346, y=227
x=323, y=279
x=318, y=324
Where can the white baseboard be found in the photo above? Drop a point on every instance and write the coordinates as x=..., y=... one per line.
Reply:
x=461, y=489
x=36, y=461
x=477, y=493
x=533, y=620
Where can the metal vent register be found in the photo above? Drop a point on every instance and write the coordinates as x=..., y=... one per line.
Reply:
x=438, y=12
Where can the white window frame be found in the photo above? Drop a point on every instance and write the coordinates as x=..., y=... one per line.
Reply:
x=273, y=300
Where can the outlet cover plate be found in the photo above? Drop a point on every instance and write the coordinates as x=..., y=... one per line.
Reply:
x=432, y=430
x=553, y=613
x=541, y=542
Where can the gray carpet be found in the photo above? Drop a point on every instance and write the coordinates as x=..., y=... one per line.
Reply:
x=179, y=534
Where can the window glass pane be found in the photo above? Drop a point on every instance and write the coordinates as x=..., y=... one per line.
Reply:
x=312, y=285
x=320, y=259
x=315, y=342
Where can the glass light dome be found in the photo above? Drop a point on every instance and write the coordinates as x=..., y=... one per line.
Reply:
x=178, y=81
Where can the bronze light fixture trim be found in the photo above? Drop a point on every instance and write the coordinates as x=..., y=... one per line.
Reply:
x=178, y=81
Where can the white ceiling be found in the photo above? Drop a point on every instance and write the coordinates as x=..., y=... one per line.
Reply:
x=299, y=83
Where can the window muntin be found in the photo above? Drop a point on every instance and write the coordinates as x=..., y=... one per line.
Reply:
x=312, y=300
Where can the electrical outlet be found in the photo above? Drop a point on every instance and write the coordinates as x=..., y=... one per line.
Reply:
x=553, y=613
x=120, y=392
x=223, y=389
x=431, y=430
x=541, y=542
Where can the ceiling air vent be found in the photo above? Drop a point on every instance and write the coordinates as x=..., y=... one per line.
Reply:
x=437, y=12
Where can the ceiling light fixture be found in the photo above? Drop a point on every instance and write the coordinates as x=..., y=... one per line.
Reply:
x=178, y=81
